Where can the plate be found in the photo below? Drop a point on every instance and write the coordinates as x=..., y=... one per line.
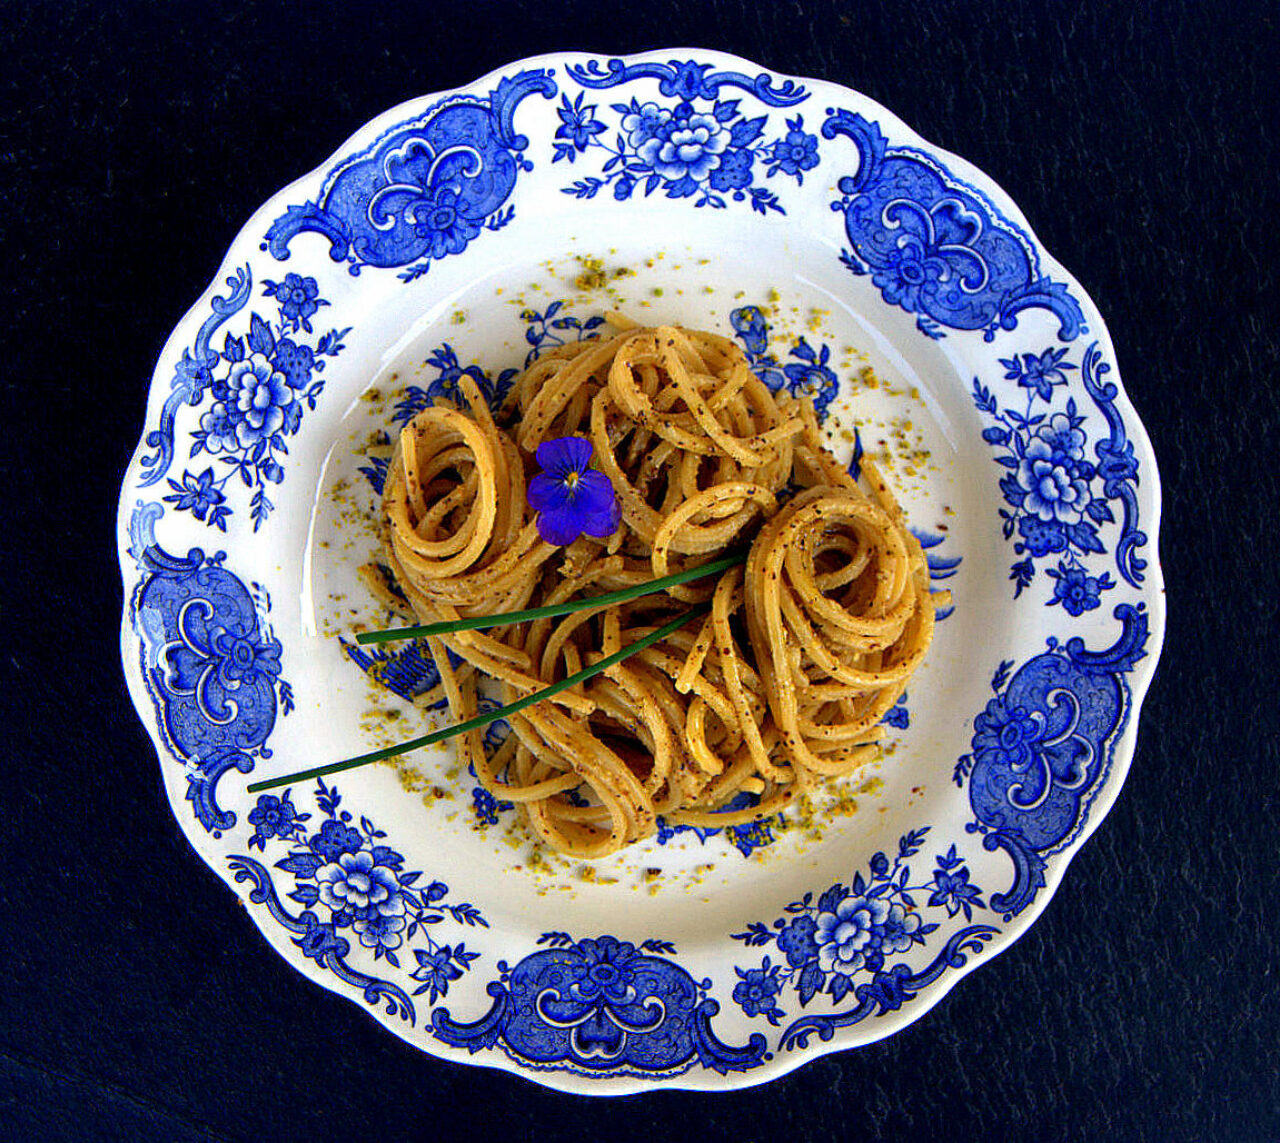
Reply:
x=465, y=233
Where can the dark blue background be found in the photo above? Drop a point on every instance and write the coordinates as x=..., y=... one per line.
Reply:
x=138, y=1001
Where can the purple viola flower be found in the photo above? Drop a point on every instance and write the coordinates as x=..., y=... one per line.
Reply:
x=1076, y=591
x=569, y=497
x=845, y=936
x=259, y=393
x=1055, y=487
x=354, y=883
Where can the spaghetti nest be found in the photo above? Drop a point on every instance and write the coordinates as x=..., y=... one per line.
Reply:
x=782, y=684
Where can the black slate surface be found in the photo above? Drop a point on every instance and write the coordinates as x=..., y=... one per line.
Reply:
x=139, y=1002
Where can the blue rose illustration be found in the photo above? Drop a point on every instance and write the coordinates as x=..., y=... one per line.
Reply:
x=899, y=925
x=845, y=937
x=382, y=929
x=219, y=427
x=1055, y=488
x=678, y=143
x=355, y=884
x=259, y=395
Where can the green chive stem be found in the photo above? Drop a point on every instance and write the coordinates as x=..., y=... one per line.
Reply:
x=550, y=611
x=489, y=716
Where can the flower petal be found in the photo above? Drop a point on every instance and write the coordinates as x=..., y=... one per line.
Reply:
x=560, y=526
x=548, y=494
x=564, y=455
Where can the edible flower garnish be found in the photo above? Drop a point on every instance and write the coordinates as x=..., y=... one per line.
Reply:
x=569, y=496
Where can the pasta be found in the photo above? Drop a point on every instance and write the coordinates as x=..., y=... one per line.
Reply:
x=781, y=685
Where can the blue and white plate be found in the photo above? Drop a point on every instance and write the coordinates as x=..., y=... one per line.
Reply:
x=464, y=233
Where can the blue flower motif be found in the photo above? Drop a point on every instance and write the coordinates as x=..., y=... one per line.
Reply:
x=645, y=123
x=242, y=660
x=196, y=494
x=355, y=884
x=1076, y=591
x=1039, y=373
x=295, y=361
x=797, y=152
x=219, y=427
x=757, y=991
x=603, y=971
x=1004, y=737
x=380, y=929
x=953, y=890
x=578, y=124
x=272, y=817
x=1062, y=435
x=908, y=268
x=298, y=298
x=798, y=942
x=678, y=144
x=334, y=839
x=1056, y=488
x=734, y=171
x=258, y=394
x=896, y=935
x=446, y=230
x=1042, y=536
x=569, y=497
x=845, y=937
x=435, y=969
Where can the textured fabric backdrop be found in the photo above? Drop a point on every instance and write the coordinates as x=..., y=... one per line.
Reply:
x=139, y=1001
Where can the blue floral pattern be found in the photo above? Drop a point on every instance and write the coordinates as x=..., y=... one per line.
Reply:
x=425, y=189
x=358, y=884
x=826, y=944
x=209, y=672
x=261, y=383
x=1051, y=486
x=934, y=245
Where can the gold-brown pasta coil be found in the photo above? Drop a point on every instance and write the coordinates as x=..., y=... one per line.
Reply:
x=781, y=685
